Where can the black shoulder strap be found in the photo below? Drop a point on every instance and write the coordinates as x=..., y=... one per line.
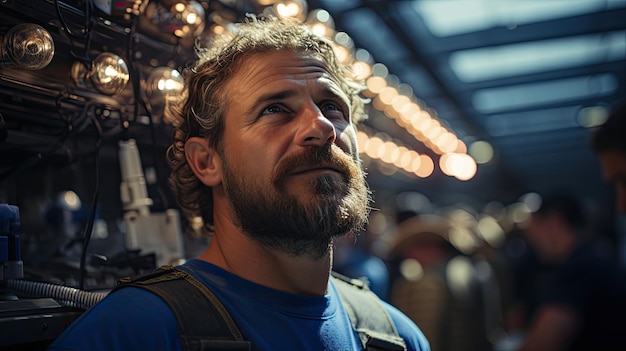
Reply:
x=203, y=322
x=368, y=316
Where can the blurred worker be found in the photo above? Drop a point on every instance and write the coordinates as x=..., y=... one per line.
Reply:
x=353, y=258
x=609, y=142
x=582, y=300
x=264, y=153
x=437, y=286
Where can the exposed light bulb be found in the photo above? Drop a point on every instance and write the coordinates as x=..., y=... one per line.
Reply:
x=109, y=74
x=180, y=18
x=28, y=46
x=165, y=81
x=162, y=86
x=69, y=200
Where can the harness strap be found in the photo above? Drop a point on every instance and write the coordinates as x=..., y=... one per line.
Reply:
x=203, y=322
x=368, y=316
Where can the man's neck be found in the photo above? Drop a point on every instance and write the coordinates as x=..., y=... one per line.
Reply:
x=237, y=253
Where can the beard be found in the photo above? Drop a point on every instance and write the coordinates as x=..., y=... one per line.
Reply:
x=280, y=221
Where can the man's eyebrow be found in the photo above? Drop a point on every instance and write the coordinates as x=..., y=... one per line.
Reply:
x=330, y=91
x=273, y=96
x=327, y=91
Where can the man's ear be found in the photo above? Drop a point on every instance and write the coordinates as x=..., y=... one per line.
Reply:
x=204, y=161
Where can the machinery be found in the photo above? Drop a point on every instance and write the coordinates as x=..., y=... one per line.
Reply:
x=84, y=127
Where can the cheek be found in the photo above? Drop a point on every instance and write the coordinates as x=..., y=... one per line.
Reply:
x=260, y=160
x=346, y=140
x=248, y=148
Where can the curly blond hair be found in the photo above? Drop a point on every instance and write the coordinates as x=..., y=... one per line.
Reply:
x=201, y=110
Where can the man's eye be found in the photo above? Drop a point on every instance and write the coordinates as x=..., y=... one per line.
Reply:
x=330, y=106
x=271, y=109
x=333, y=110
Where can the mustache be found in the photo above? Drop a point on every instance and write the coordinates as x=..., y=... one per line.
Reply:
x=329, y=155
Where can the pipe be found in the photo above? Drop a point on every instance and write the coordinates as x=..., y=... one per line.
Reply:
x=66, y=296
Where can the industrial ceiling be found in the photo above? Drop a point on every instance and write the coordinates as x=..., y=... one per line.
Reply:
x=529, y=78
x=526, y=80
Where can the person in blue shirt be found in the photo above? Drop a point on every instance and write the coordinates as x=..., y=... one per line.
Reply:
x=264, y=153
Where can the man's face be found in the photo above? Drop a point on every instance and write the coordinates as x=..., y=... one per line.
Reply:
x=290, y=169
x=614, y=170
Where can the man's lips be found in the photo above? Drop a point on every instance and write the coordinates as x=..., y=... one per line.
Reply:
x=314, y=169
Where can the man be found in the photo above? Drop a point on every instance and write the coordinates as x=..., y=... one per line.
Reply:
x=265, y=154
x=579, y=298
x=609, y=142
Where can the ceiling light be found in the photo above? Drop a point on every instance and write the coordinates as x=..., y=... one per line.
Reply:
x=592, y=116
x=492, y=100
x=291, y=8
x=361, y=70
x=460, y=166
x=481, y=151
x=321, y=23
x=28, y=46
x=447, y=18
x=474, y=65
x=426, y=166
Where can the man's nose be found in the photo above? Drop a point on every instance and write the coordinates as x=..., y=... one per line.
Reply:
x=315, y=128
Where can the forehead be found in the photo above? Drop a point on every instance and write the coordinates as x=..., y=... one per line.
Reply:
x=257, y=72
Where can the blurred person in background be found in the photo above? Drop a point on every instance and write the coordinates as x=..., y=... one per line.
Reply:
x=581, y=297
x=495, y=275
x=609, y=143
x=354, y=258
x=437, y=286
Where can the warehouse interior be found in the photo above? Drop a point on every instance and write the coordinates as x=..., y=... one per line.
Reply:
x=508, y=94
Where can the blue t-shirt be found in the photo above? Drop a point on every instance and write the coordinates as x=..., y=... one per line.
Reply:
x=135, y=319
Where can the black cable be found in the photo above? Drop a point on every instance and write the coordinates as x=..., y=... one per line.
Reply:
x=40, y=155
x=87, y=35
x=67, y=28
x=94, y=205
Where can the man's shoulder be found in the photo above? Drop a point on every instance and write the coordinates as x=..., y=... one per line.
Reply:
x=133, y=303
x=132, y=317
x=364, y=306
x=407, y=329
